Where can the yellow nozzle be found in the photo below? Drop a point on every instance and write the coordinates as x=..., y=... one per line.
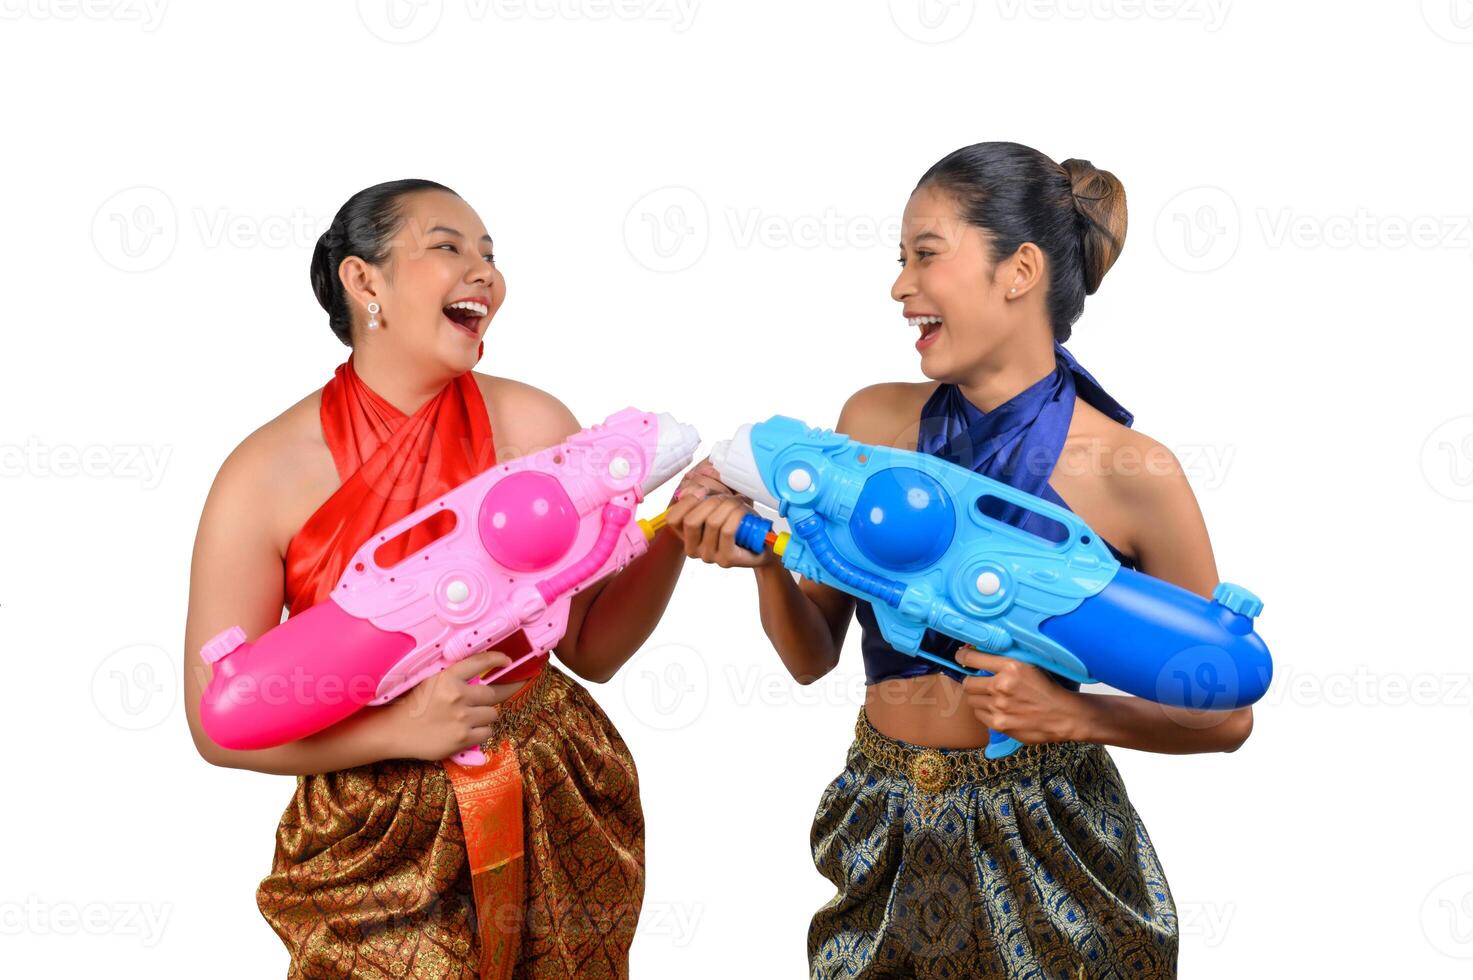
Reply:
x=652, y=526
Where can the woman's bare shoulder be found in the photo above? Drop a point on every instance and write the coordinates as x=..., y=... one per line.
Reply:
x=281, y=472
x=1133, y=463
x=524, y=418
x=886, y=414
x=286, y=441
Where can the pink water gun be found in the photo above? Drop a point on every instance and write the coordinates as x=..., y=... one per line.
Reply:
x=520, y=540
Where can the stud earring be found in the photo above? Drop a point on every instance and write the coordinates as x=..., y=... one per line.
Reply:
x=373, y=309
x=1013, y=290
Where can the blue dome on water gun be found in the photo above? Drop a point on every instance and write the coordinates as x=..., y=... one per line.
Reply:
x=903, y=520
x=912, y=534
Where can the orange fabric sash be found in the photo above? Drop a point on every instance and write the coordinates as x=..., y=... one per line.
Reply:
x=391, y=465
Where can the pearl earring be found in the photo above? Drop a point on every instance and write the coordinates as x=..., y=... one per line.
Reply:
x=1013, y=290
x=373, y=309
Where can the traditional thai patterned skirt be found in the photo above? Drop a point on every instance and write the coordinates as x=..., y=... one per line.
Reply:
x=371, y=876
x=950, y=864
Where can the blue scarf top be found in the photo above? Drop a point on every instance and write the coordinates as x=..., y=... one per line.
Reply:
x=1017, y=443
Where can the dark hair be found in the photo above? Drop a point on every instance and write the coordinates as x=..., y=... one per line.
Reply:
x=1073, y=212
x=363, y=227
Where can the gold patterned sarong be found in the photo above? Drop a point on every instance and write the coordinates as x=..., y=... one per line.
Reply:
x=950, y=864
x=371, y=878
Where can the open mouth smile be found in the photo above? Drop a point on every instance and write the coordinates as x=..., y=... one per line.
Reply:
x=468, y=314
x=929, y=326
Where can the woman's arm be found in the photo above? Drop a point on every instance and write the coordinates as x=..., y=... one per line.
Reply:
x=805, y=621
x=609, y=622
x=236, y=579
x=1171, y=543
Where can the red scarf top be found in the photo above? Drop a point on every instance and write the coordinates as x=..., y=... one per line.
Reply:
x=390, y=464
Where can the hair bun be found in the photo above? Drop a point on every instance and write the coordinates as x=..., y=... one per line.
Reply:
x=1099, y=198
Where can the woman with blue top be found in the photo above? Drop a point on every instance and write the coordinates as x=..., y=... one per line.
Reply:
x=947, y=863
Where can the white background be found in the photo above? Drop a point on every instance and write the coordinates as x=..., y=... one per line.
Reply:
x=695, y=208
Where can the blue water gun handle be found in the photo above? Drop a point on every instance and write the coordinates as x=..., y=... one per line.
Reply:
x=752, y=535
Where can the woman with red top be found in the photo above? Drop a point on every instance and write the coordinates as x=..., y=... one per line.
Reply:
x=391, y=860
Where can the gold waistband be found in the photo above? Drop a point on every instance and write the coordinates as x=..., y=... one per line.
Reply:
x=517, y=711
x=933, y=770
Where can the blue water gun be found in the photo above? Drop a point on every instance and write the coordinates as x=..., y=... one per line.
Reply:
x=920, y=538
